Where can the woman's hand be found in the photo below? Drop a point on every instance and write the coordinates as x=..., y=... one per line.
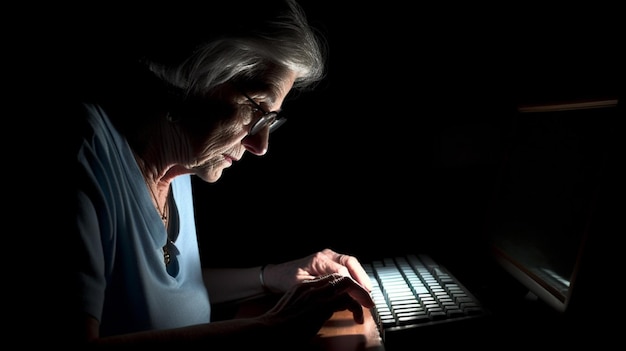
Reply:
x=281, y=277
x=303, y=309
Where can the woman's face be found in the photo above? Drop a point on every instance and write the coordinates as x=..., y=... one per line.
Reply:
x=229, y=140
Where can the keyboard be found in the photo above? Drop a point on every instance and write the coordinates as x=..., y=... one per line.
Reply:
x=413, y=292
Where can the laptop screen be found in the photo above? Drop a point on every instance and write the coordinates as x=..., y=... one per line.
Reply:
x=547, y=193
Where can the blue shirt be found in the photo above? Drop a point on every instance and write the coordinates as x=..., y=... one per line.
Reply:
x=123, y=279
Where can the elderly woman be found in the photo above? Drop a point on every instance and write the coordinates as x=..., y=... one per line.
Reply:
x=196, y=98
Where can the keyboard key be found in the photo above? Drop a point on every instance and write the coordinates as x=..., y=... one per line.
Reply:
x=416, y=318
x=416, y=291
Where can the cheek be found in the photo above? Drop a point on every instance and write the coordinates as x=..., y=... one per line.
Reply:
x=210, y=139
x=218, y=142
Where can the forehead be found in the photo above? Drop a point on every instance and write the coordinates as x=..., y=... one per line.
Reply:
x=272, y=88
x=274, y=82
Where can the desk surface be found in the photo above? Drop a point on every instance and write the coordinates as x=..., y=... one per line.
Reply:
x=339, y=333
x=342, y=333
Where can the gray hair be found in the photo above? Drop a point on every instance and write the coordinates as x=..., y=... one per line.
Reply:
x=274, y=37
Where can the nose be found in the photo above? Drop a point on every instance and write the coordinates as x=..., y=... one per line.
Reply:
x=258, y=143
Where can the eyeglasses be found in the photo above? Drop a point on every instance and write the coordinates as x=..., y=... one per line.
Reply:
x=271, y=118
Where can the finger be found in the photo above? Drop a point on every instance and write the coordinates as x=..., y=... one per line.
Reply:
x=348, y=285
x=346, y=293
x=354, y=267
x=350, y=294
x=357, y=311
x=326, y=262
x=357, y=271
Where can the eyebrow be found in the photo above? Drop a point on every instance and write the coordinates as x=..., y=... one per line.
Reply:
x=262, y=90
x=268, y=95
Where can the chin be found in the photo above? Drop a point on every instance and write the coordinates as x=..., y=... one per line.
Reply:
x=212, y=177
x=209, y=174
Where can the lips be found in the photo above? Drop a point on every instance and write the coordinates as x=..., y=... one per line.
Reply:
x=230, y=159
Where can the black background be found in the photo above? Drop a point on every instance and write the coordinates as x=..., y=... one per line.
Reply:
x=397, y=149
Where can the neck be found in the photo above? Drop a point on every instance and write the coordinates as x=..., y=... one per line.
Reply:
x=158, y=187
x=159, y=197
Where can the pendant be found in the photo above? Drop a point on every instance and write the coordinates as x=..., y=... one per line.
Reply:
x=169, y=251
x=166, y=255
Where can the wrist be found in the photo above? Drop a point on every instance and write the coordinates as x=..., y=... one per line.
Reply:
x=263, y=278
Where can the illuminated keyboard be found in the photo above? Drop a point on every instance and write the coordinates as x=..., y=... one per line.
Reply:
x=412, y=292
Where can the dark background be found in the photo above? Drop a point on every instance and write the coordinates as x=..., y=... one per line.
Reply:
x=397, y=150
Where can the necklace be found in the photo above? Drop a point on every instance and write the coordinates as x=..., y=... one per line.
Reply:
x=162, y=212
x=167, y=257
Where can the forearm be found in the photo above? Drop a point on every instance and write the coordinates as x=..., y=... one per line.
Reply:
x=228, y=284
